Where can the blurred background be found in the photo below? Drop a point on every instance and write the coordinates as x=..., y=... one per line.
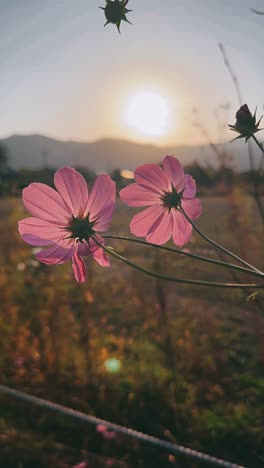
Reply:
x=183, y=364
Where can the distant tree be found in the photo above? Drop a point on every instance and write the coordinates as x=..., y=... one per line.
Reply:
x=120, y=181
x=27, y=176
x=87, y=173
x=3, y=157
x=205, y=176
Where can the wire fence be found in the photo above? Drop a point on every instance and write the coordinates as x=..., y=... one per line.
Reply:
x=89, y=419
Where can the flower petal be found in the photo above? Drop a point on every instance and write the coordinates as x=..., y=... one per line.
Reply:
x=73, y=189
x=142, y=222
x=137, y=195
x=182, y=229
x=104, y=218
x=98, y=253
x=38, y=232
x=152, y=177
x=44, y=202
x=58, y=253
x=192, y=207
x=161, y=230
x=79, y=267
x=102, y=195
x=83, y=249
x=174, y=171
x=100, y=256
x=189, y=186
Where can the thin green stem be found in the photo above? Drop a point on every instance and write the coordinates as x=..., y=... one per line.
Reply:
x=215, y=244
x=258, y=143
x=261, y=164
x=187, y=254
x=257, y=176
x=172, y=278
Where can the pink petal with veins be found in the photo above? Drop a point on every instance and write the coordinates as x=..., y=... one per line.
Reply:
x=79, y=267
x=152, y=177
x=192, y=207
x=137, y=195
x=102, y=194
x=188, y=186
x=73, y=189
x=100, y=256
x=142, y=222
x=182, y=229
x=161, y=231
x=38, y=232
x=104, y=217
x=57, y=254
x=174, y=170
x=95, y=250
x=44, y=202
x=98, y=252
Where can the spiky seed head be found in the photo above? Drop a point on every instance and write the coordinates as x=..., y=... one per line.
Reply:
x=115, y=12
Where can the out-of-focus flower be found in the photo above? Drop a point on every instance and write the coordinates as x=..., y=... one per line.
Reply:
x=246, y=124
x=109, y=462
x=165, y=191
x=20, y=361
x=83, y=464
x=101, y=428
x=115, y=12
x=106, y=433
x=21, y=266
x=66, y=219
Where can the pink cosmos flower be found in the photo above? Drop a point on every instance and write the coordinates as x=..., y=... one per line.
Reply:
x=83, y=464
x=106, y=433
x=66, y=219
x=101, y=428
x=164, y=191
x=20, y=361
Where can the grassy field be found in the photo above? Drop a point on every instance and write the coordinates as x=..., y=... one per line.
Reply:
x=189, y=360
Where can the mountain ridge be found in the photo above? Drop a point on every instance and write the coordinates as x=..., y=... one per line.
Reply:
x=35, y=151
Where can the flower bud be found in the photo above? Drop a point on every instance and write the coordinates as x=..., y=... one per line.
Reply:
x=115, y=11
x=245, y=124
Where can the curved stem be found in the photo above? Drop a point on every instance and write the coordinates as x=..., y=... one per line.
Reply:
x=256, y=176
x=258, y=143
x=262, y=150
x=187, y=254
x=172, y=278
x=215, y=244
x=261, y=164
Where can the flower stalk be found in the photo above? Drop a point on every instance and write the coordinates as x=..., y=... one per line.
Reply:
x=187, y=254
x=215, y=244
x=173, y=279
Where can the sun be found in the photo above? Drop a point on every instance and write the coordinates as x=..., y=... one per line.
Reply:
x=148, y=112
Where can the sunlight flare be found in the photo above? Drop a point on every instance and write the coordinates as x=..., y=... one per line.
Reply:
x=148, y=112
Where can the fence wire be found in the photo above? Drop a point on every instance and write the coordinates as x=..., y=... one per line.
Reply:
x=86, y=418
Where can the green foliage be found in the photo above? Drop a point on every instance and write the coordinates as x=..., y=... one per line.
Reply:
x=209, y=180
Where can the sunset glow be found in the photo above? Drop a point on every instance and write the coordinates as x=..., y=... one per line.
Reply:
x=148, y=113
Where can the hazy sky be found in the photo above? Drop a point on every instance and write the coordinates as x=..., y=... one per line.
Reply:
x=64, y=75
